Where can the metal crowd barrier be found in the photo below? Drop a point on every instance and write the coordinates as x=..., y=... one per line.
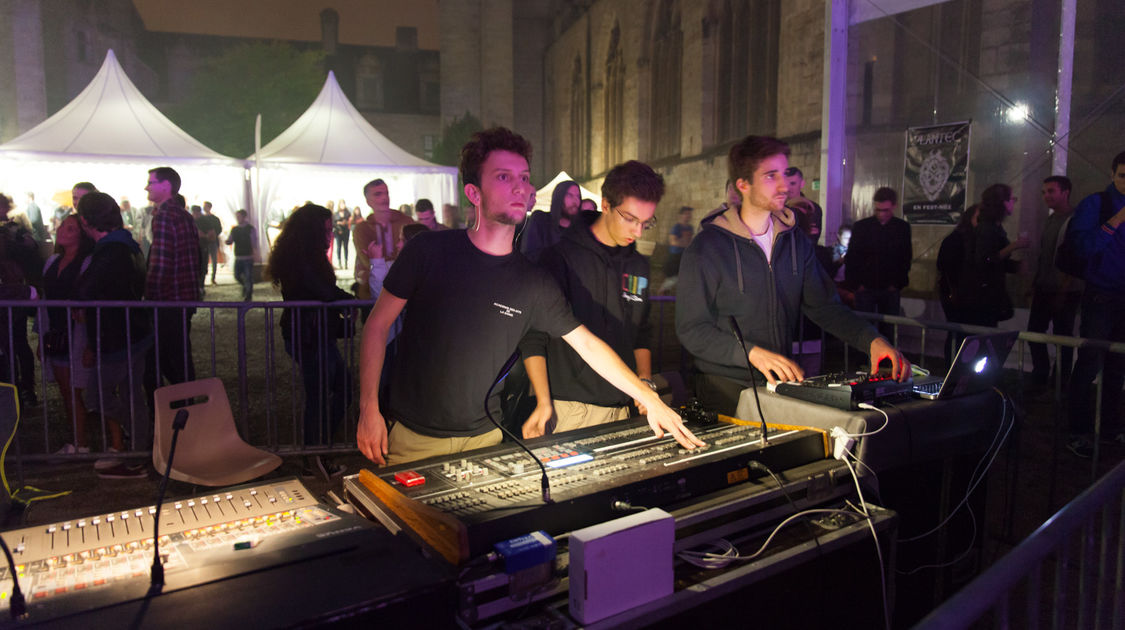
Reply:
x=239, y=342
x=1069, y=571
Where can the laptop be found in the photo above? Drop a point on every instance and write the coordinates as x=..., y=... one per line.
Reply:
x=975, y=368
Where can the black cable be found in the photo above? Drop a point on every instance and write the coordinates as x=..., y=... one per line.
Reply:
x=757, y=465
x=544, y=482
x=178, y=423
x=17, y=605
x=753, y=376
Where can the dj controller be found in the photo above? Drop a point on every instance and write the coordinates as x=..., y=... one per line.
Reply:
x=460, y=505
x=845, y=390
x=73, y=566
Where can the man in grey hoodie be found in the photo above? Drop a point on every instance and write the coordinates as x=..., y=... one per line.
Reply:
x=748, y=262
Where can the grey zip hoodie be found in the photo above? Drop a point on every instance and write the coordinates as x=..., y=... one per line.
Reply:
x=725, y=273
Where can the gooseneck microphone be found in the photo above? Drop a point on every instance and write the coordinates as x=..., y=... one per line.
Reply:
x=17, y=605
x=157, y=574
x=753, y=379
x=508, y=365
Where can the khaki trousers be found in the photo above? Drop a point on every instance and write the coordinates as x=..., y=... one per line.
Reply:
x=405, y=445
x=571, y=415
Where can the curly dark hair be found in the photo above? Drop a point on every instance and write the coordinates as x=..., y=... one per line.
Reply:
x=484, y=142
x=632, y=179
x=301, y=245
x=100, y=211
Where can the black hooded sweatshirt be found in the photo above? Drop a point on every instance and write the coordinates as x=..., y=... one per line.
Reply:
x=725, y=273
x=608, y=290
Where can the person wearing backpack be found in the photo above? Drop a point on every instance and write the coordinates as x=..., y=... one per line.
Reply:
x=1096, y=236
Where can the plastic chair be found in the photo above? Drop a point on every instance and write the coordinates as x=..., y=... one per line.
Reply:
x=209, y=452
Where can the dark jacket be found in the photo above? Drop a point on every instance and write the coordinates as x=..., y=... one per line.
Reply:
x=879, y=255
x=985, y=293
x=1097, y=242
x=724, y=273
x=313, y=324
x=608, y=290
x=541, y=229
x=116, y=273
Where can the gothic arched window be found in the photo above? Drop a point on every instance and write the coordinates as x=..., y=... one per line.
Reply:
x=666, y=57
x=614, y=101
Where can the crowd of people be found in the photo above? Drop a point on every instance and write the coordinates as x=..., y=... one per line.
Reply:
x=567, y=287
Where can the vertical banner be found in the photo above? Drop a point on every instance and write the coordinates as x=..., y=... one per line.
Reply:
x=935, y=177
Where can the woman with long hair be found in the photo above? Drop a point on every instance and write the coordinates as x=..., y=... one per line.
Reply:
x=299, y=266
x=988, y=258
x=950, y=265
x=62, y=339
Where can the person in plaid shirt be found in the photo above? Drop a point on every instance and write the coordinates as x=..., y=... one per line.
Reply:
x=173, y=275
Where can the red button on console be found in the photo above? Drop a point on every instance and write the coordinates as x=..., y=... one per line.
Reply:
x=409, y=478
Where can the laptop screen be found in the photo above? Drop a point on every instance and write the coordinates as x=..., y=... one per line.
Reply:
x=978, y=363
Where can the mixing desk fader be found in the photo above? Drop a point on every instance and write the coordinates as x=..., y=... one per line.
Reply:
x=460, y=505
x=84, y=562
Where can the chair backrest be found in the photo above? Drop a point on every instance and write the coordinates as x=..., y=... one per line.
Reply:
x=210, y=415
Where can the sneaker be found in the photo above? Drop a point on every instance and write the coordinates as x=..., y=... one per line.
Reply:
x=123, y=470
x=70, y=449
x=1081, y=447
x=319, y=467
x=107, y=462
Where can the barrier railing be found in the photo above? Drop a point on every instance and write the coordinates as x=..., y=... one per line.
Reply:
x=1056, y=591
x=241, y=343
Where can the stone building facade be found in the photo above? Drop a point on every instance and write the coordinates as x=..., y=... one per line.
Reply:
x=676, y=82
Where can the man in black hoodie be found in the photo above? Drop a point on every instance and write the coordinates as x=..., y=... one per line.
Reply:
x=748, y=262
x=606, y=283
x=544, y=229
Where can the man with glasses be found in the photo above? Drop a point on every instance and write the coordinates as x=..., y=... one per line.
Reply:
x=606, y=282
x=752, y=264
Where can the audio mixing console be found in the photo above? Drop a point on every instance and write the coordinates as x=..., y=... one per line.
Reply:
x=460, y=505
x=82, y=563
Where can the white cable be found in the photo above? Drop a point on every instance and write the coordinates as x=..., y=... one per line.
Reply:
x=974, y=479
x=886, y=421
x=709, y=560
x=878, y=549
x=726, y=558
x=878, y=494
x=959, y=558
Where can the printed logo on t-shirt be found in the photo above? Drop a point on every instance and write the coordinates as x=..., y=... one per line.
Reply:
x=507, y=311
x=633, y=287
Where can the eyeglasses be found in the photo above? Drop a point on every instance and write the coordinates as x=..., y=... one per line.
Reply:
x=631, y=220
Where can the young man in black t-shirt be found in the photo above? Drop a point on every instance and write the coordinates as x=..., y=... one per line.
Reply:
x=606, y=281
x=471, y=300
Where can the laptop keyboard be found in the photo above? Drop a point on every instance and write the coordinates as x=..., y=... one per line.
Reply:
x=928, y=388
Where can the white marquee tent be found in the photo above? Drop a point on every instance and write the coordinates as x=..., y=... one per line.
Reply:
x=543, y=195
x=111, y=135
x=331, y=151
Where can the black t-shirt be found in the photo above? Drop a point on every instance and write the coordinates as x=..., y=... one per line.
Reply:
x=466, y=312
